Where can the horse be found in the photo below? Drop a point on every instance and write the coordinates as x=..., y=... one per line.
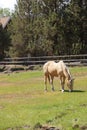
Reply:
x=52, y=69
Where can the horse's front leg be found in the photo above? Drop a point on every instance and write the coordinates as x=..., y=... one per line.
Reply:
x=51, y=82
x=62, y=82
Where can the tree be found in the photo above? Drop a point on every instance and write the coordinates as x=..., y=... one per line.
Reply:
x=5, y=12
x=19, y=29
x=48, y=27
x=80, y=25
x=4, y=42
x=38, y=28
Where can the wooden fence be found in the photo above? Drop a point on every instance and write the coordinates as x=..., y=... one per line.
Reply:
x=70, y=60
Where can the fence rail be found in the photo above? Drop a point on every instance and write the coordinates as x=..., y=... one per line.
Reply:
x=71, y=60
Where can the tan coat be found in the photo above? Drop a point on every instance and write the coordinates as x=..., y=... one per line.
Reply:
x=52, y=69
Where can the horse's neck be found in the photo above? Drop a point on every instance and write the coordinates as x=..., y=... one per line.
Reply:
x=69, y=77
x=65, y=70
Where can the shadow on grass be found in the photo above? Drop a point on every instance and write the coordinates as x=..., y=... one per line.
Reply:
x=78, y=91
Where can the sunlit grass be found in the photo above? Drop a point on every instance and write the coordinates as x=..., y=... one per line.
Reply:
x=23, y=101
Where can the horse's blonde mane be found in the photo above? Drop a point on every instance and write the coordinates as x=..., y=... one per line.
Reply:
x=65, y=70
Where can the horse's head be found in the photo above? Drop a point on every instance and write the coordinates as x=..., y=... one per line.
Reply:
x=70, y=84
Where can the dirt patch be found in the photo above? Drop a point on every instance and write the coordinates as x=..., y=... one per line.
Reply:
x=5, y=84
x=76, y=126
x=26, y=127
x=83, y=105
x=1, y=107
x=84, y=127
x=15, y=68
x=38, y=126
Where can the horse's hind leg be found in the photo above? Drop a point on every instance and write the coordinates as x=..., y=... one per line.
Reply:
x=51, y=82
x=48, y=78
x=45, y=81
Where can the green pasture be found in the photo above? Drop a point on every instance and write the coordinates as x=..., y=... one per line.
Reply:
x=24, y=104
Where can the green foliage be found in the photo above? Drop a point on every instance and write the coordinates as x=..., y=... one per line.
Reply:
x=48, y=27
x=4, y=12
x=76, y=31
x=4, y=34
x=4, y=42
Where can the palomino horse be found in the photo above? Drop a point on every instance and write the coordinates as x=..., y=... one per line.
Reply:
x=52, y=69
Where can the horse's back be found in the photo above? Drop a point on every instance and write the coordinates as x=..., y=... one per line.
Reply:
x=48, y=66
x=62, y=64
x=54, y=68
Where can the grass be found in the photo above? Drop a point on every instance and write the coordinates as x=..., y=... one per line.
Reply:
x=23, y=102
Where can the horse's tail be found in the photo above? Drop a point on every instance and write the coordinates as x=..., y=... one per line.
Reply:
x=45, y=69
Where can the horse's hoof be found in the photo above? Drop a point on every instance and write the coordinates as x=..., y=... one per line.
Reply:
x=62, y=91
x=53, y=89
x=45, y=90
